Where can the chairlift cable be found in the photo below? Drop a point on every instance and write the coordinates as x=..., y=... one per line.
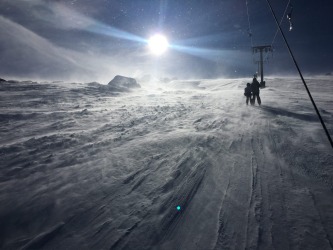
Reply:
x=300, y=73
x=277, y=30
x=248, y=19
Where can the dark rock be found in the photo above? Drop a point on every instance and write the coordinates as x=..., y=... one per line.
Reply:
x=94, y=84
x=123, y=82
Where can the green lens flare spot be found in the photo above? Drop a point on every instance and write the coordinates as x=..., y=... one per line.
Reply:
x=178, y=208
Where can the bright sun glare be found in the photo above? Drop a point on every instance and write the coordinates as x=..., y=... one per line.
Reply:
x=158, y=44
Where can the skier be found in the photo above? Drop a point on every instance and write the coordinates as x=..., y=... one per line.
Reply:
x=255, y=87
x=247, y=93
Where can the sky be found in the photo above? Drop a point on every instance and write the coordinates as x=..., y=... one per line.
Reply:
x=94, y=40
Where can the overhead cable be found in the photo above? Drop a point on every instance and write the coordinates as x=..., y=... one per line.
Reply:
x=300, y=73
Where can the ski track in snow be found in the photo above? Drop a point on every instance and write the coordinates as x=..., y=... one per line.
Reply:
x=85, y=168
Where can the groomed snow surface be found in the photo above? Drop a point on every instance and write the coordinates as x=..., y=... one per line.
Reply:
x=85, y=167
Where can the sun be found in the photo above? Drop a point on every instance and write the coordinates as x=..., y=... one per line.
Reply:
x=158, y=44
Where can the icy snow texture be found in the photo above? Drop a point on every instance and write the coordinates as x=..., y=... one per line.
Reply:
x=86, y=168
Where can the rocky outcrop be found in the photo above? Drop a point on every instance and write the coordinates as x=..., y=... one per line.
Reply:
x=123, y=82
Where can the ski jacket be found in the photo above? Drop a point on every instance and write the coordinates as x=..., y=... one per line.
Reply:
x=247, y=91
x=255, y=86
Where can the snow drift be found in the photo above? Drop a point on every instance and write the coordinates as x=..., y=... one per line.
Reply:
x=82, y=168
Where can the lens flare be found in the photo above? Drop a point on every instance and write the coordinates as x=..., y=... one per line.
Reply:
x=158, y=44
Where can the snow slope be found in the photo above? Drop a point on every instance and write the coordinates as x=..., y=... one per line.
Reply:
x=86, y=168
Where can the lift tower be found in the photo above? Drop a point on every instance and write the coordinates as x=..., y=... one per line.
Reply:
x=261, y=49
